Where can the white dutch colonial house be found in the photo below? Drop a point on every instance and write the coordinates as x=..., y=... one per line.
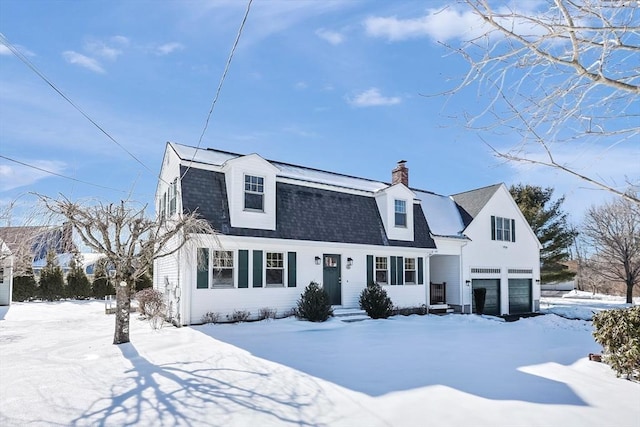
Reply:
x=281, y=226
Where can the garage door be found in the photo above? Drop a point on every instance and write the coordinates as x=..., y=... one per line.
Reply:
x=492, y=299
x=519, y=296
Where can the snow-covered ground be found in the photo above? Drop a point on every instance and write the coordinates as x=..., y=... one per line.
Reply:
x=582, y=305
x=58, y=367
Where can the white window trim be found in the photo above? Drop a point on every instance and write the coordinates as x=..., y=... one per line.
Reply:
x=245, y=192
x=283, y=269
x=396, y=212
x=376, y=269
x=214, y=257
x=414, y=269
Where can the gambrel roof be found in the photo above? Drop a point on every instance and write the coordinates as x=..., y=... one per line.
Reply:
x=303, y=213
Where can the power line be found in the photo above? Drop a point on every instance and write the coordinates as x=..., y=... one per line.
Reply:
x=222, y=79
x=60, y=175
x=33, y=68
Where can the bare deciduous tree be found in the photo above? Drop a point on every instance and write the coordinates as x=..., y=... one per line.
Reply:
x=566, y=72
x=613, y=232
x=130, y=242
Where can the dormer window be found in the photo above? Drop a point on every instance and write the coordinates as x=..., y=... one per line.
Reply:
x=254, y=193
x=400, y=213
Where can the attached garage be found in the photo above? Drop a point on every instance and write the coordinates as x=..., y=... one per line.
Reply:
x=520, y=297
x=492, y=298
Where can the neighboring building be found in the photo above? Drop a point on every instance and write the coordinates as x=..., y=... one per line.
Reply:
x=281, y=226
x=6, y=274
x=29, y=246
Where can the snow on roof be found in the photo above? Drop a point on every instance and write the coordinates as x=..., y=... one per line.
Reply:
x=218, y=158
x=441, y=213
x=315, y=175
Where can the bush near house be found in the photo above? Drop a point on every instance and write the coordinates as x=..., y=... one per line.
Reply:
x=618, y=331
x=375, y=301
x=314, y=304
x=24, y=288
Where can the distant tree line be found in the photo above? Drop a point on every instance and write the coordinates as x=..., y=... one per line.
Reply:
x=52, y=285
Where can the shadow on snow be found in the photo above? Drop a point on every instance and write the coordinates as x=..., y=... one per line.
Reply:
x=380, y=357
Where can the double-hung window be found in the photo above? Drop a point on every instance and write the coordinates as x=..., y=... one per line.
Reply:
x=222, y=265
x=275, y=269
x=400, y=213
x=254, y=193
x=410, y=270
x=502, y=229
x=382, y=270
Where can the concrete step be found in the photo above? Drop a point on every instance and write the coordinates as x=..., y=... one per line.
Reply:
x=350, y=314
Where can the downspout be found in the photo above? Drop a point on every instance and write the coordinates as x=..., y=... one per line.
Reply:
x=463, y=282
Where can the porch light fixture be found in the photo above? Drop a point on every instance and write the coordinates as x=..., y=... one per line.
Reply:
x=349, y=262
x=317, y=260
x=468, y=282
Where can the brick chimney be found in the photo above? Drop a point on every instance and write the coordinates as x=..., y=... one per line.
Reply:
x=400, y=174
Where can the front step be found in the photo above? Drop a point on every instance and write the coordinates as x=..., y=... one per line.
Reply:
x=440, y=309
x=350, y=314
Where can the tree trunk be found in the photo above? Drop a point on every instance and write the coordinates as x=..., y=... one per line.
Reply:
x=630, y=293
x=123, y=305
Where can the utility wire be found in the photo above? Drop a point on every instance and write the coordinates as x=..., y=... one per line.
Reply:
x=29, y=64
x=222, y=79
x=60, y=175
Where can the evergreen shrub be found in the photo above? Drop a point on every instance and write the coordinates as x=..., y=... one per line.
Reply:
x=618, y=331
x=314, y=304
x=375, y=301
x=25, y=288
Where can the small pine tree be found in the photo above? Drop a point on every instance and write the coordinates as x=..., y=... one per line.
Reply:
x=25, y=287
x=375, y=301
x=143, y=282
x=314, y=304
x=101, y=285
x=78, y=285
x=52, y=279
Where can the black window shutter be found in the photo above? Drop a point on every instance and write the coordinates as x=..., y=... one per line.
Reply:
x=291, y=269
x=394, y=277
x=257, y=269
x=243, y=268
x=369, y=269
x=493, y=227
x=513, y=230
x=420, y=271
x=202, y=277
x=400, y=262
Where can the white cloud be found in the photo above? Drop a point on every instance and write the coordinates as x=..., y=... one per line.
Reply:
x=442, y=24
x=4, y=50
x=451, y=23
x=110, y=49
x=332, y=37
x=15, y=176
x=168, y=48
x=373, y=98
x=83, y=61
x=301, y=85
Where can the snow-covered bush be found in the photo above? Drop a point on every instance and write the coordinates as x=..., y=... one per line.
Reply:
x=151, y=305
x=239, y=316
x=314, y=304
x=267, y=313
x=375, y=301
x=210, y=317
x=618, y=331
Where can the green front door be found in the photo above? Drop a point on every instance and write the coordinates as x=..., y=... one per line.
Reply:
x=492, y=299
x=331, y=280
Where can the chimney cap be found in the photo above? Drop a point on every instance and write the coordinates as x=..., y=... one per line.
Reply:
x=402, y=162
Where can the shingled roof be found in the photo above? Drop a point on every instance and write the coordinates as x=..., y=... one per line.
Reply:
x=302, y=213
x=470, y=203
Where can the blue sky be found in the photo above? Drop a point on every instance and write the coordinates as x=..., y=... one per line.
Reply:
x=334, y=85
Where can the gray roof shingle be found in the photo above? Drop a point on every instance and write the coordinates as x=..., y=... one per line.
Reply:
x=302, y=213
x=470, y=203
